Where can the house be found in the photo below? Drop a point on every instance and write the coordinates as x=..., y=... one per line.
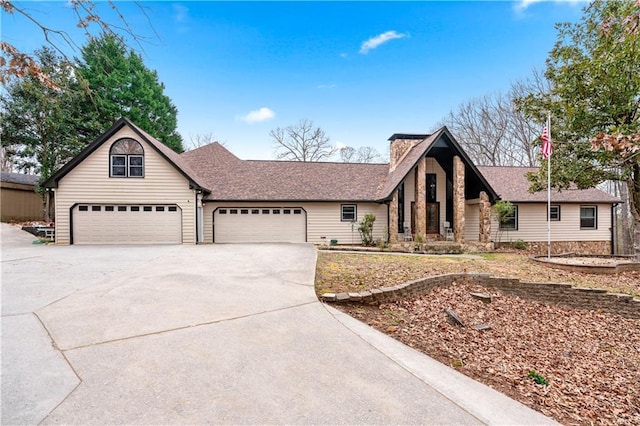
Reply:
x=127, y=187
x=19, y=200
x=581, y=220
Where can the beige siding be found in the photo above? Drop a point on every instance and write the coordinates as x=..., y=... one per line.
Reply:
x=409, y=194
x=323, y=219
x=472, y=221
x=89, y=182
x=532, y=224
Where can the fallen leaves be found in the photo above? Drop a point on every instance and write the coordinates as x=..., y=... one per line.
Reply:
x=590, y=359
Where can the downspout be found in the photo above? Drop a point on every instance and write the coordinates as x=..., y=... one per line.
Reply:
x=613, y=229
x=199, y=224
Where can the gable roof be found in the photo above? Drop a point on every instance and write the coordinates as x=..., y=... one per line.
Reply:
x=19, y=178
x=441, y=138
x=512, y=185
x=232, y=179
x=167, y=153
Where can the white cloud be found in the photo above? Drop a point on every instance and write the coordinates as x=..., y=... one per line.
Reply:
x=181, y=13
x=523, y=5
x=257, y=116
x=327, y=86
x=340, y=145
x=380, y=39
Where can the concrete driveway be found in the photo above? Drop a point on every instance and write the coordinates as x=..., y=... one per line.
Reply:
x=223, y=334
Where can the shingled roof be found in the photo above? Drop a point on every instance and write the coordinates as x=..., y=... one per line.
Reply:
x=512, y=185
x=232, y=179
x=172, y=157
x=19, y=178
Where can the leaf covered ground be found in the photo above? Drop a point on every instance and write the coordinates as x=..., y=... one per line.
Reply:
x=590, y=360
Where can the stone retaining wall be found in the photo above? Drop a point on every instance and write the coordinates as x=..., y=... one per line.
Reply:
x=561, y=247
x=560, y=294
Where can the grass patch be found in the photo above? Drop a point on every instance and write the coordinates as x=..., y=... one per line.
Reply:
x=341, y=272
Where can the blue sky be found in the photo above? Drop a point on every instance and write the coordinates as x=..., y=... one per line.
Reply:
x=359, y=70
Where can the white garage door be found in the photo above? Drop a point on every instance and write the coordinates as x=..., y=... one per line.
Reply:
x=260, y=225
x=127, y=224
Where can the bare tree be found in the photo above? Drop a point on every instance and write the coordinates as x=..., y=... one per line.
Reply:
x=89, y=17
x=364, y=154
x=201, y=139
x=302, y=142
x=347, y=154
x=494, y=132
x=368, y=154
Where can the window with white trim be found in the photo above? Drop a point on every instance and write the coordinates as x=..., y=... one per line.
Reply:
x=588, y=217
x=126, y=159
x=554, y=213
x=348, y=213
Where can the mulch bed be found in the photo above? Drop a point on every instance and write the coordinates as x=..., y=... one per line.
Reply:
x=590, y=360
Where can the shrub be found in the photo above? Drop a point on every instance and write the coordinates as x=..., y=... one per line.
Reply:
x=537, y=377
x=520, y=245
x=366, y=229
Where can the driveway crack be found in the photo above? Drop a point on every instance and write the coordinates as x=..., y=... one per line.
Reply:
x=160, y=332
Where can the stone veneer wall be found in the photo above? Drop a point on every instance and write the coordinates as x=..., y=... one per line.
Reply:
x=421, y=199
x=560, y=247
x=559, y=294
x=458, y=200
x=398, y=149
x=484, y=236
x=393, y=218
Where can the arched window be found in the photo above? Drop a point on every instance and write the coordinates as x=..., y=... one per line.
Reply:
x=126, y=158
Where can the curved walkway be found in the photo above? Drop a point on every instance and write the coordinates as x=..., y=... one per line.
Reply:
x=223, y=334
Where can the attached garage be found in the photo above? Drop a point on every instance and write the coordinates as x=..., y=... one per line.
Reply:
x=259, y=225
x=126, y=224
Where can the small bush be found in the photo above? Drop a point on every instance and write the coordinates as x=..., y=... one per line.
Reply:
x=520, y=245
x=366, y=229
x=538, y=378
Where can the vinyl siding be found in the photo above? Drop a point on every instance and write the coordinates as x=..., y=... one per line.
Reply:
x=472, y=221
x=89, y=182
x=323, y=219
x=532, y=224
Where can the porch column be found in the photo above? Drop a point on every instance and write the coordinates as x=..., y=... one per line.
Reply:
x=393, y=218
x=485, y=219
x=458, y=200
x=421, y=198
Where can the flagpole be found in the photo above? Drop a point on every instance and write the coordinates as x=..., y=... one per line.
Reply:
x=549, y=190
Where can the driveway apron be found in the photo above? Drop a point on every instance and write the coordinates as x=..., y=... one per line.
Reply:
x=217, y=334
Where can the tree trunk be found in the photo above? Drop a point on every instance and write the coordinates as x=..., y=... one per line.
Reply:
x=625, y=230
x=636, y=238
x=633, y=187
x=45, y=207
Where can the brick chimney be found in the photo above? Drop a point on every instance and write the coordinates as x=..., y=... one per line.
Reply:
x=401, y=144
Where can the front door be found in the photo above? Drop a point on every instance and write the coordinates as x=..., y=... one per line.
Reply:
x=433, y=207
x=433, y=218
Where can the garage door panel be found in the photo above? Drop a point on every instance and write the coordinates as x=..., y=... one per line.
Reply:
x=259, y=225
x=113, y=224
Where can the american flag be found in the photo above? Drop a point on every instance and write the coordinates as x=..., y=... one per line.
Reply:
x=547, y=148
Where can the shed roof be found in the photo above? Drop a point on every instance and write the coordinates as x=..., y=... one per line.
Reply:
x=19, y=178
